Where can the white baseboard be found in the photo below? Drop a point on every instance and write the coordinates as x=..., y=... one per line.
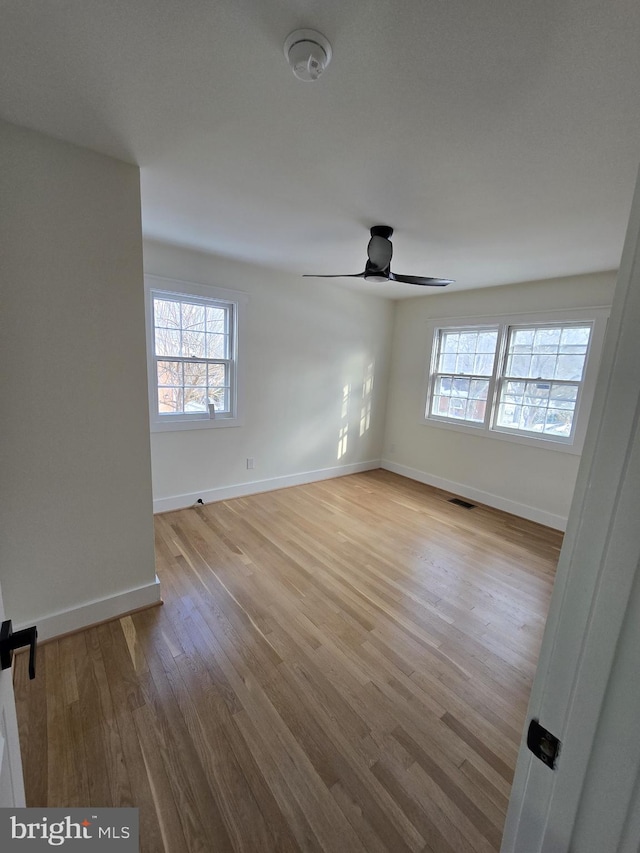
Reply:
x=541, y=516
x=100, y=610
x=254, y=487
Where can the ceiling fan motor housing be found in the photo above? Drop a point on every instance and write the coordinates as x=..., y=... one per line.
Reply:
x=380, y=249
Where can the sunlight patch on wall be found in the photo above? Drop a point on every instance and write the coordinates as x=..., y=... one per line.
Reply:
x=344, y=429
x=367, y=391
x=342, y=440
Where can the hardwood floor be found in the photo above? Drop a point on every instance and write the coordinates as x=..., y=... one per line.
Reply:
x=342, y=666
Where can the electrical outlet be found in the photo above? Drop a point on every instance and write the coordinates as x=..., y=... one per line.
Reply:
x=392, y=448
x=250, y=463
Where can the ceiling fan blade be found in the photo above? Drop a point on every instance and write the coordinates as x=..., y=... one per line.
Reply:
x=344, y=275
x=418, y=279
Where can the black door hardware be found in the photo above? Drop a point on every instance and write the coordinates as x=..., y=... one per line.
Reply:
x=10, y=641
x=543, y=744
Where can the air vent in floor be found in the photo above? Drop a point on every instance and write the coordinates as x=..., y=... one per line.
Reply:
x=460, y=502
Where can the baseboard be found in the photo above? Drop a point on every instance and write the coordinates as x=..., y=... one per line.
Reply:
x=254, y=487
x=549, y=519
x=94, y=612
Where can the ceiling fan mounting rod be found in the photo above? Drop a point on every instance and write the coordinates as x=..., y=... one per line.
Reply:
x=382, y=231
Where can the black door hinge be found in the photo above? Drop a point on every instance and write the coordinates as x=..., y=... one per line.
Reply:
x=543, y=744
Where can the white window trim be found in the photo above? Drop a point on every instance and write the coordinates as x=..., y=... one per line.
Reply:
x=173, y=423
x=596, y=316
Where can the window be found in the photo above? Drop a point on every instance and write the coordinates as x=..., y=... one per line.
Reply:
x=193, y=355
x=515, y=378
x=464, y=367
x=542, y=378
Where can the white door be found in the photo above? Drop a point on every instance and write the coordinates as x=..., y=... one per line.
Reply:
x=587, y=686
x=11, y=779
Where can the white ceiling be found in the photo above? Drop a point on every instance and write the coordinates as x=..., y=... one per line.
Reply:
x=500, y=139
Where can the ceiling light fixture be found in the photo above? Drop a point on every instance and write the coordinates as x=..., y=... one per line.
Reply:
x=308, y=53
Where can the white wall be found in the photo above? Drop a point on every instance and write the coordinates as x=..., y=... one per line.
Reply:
x=75, y=508
x=305, y=342
x=536, y=483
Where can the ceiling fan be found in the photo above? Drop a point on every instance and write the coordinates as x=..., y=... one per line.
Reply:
x=378, y=266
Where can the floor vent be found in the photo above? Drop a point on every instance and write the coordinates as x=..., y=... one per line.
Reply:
x=460, y=502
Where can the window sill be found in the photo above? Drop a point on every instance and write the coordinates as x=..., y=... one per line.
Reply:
x=195, y=423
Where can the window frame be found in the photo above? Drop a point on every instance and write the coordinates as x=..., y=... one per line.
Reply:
x=235, y=301
x=595, y=317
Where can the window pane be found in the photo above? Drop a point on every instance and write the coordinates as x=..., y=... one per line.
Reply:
x=543, y=366
x=193, y=317
x=167, y=342
x=532, y=418
x=457, y=408
x=220, y=398
x=508, y=415
x=169, y=373
x=442, y=386
x=460, y=386
x=193, y=345
x=217, y=346
x=546, y=340
x=217, y=374
x=170, y=400
x=559, y=422
x=476, y=410
x=478, y=389
x=477, y=405
x=522, y=338
x=464, y=363
x=563, y=392
x=166, y=313
x=450, y=341
x=440, y=406
x=525, y=417
x=536, y=394
x=483, y=364
x=467, y=341
x=195, y=373
x=574, y=336
x=487, y=342
x=513, y=392
x=218, y=390
x=569, y=367
x=519, y=365
x=447, y=362
x=195, y=399
x=217, y=320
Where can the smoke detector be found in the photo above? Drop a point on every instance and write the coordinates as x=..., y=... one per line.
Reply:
x=308, y=53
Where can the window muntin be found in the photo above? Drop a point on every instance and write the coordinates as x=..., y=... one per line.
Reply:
x=541, y=381
x=192, y=352
x=464, y=366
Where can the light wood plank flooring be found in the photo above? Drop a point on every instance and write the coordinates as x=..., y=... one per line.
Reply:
x=342, y=666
